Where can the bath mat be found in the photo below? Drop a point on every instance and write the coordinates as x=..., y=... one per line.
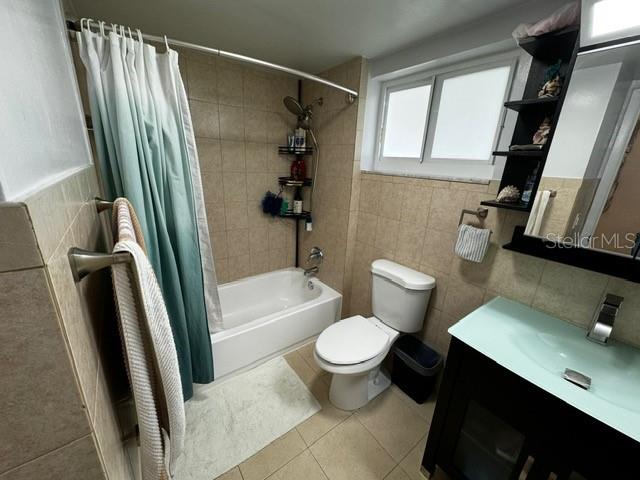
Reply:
x=228, y=423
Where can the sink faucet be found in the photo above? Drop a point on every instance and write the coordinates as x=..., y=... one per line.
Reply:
x=316, y=255
x=602, y=323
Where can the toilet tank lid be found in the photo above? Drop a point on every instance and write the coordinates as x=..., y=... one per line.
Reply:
x=404, y=276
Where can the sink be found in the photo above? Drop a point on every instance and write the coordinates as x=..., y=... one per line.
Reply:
x=539, y=348
x=609, y=367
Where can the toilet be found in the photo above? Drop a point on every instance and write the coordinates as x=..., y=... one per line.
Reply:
x=354, y=348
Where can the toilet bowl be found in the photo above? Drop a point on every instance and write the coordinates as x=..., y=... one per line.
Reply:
x=353, y=349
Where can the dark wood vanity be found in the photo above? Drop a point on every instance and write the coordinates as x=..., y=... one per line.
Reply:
x=491, y=424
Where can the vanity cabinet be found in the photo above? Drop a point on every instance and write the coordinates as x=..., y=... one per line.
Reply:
x=491, y=424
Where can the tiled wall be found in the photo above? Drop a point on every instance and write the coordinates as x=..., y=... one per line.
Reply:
x=337, y=124
x=239, y=121
x=414, y=221
x=63, y=371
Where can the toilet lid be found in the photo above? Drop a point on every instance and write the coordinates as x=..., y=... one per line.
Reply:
x=350, y=341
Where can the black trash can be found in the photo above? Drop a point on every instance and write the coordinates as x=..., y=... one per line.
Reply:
x=415, y=368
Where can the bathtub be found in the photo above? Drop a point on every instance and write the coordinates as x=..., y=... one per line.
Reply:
x=268, y=314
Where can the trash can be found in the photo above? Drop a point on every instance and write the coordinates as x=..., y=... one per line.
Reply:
x=415, y=368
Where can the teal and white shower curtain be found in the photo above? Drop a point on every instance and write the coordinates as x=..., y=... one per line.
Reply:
x=146, y=153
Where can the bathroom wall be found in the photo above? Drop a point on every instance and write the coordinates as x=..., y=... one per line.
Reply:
x=62, y=370
x=338, y=126
x=413, y=221
x=239, y=121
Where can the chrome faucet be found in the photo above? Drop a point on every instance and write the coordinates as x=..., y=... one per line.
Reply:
x=316, y=255
x=605, y=316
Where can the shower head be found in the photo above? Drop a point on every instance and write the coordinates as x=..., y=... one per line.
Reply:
x=293, y=106
x=304, y=114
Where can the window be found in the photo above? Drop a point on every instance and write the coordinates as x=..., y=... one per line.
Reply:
x=440, y=124
x=406, y=121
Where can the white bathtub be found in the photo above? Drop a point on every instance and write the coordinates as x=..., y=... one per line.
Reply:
x=268, y=314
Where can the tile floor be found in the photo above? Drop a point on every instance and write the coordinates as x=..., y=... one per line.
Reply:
x=383, y=440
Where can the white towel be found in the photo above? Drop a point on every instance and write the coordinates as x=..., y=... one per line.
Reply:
x=151, y=354
x=472, y=243
x=537, y=212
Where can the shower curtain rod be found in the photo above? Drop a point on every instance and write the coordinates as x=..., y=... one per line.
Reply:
x=351, y=94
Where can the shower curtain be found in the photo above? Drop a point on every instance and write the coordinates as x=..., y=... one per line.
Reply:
x=146, y=153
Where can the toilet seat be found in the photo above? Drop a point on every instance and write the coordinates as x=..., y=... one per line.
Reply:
x=352, y=341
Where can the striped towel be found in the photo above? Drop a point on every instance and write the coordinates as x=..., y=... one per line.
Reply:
x=472, y=243
x=152, y=361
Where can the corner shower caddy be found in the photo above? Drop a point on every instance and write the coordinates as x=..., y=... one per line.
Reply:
x=297, y=185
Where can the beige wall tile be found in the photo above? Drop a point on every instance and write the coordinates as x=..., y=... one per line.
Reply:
x=437, y=250
x=230, y=90
x=210, y=156
x=235, y=187
x=75, y=461
x=445, y=210
x=255, y=125
x=233, y=157
x=462, y=298
x=202, y=81
x=237, y=242
x=416, y=201
x=18, y=245
x=231, y=123
x=570, y=293
x=256, y=157
x=235, y=214
x=35, y=359
x=410, y=243
x=386, y=238
x=205, y=119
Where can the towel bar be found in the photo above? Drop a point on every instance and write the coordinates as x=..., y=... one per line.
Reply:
x=479, y=212
x=83, y=262
x=102, y=205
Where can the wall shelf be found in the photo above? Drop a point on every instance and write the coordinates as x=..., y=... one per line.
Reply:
x=551, y=46
x=518, y=206
x=284, y=150
x=521, y=153
x=292, y=182
x=543, y=103
x=289, y=214
x=520, y=165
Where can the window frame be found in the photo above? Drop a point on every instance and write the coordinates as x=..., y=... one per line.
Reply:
x=397, y=85
x=453, y=168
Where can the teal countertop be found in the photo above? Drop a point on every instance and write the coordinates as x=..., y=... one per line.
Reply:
x=538, y=348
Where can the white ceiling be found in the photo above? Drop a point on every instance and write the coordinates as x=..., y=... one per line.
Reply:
x=311, y=35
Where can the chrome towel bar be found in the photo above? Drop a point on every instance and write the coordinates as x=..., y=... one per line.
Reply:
x=83, y=262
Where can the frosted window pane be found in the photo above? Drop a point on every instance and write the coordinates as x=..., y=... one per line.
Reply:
x=405, y=122
x=468, y=114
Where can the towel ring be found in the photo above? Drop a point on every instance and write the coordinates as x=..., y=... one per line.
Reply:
x=480, y=212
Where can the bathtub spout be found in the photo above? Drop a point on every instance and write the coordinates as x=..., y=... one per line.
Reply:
x=310, y=272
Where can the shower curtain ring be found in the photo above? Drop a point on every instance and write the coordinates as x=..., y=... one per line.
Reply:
x=166, y=43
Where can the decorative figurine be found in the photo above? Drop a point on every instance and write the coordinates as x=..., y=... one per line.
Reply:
x=552, y=81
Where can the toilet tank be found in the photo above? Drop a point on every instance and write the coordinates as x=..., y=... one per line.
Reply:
x=400, y=295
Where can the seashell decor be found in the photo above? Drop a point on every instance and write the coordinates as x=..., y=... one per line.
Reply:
x=509, y=194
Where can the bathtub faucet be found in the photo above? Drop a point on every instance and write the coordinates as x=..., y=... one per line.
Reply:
x=309, y=272
x=316, y=255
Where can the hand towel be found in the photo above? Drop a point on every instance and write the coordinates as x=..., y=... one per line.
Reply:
x=538, y=210
x=472, y=243
x=150, y=351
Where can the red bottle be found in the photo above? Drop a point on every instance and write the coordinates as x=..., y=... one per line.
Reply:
x=298, y=169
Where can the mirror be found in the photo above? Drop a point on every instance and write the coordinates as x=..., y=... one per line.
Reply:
x=590, y=187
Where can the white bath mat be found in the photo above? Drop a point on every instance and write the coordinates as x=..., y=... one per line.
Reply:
x=228, y=423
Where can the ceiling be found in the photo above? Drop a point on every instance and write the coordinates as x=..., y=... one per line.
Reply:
x=311, y=35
